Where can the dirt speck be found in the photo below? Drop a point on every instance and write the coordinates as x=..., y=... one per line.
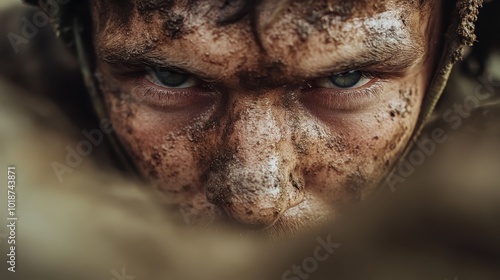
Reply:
x=174, y=26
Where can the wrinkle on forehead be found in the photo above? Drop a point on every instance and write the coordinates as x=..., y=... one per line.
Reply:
x=356, y=33
x=267, y=11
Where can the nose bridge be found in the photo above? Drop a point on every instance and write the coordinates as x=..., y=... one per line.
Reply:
x=259, y=131
x=258, y=182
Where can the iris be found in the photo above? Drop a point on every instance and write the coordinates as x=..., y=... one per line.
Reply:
x=346, y=80
x=171, y=78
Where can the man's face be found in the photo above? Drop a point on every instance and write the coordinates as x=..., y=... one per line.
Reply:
x=277, y=119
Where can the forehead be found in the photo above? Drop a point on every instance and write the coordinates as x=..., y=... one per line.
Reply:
x=225, y=10
x=291, y=36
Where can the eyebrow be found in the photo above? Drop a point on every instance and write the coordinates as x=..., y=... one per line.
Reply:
x=382, y=57
x=385, y=58
x=121, y=56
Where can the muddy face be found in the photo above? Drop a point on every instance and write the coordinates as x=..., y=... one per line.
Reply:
x=275, y=120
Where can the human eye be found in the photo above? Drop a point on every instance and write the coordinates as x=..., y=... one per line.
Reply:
x=167, y=90
x=170, y=79
x=348, y=80
x=346, y=91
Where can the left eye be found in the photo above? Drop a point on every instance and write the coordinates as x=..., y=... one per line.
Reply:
x=348, y=80
x=170, y=79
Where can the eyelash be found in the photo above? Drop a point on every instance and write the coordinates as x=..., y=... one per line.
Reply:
x=347, y=99
x=162, y=98
x=159, y=98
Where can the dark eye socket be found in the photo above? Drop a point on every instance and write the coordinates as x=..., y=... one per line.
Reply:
x=346, y=80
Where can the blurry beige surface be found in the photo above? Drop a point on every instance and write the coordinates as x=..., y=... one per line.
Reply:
x=4, y=3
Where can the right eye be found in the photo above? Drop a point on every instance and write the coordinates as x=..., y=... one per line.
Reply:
x=170, y=79
x=346, y=81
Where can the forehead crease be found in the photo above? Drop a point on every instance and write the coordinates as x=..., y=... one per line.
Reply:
x=380, y=40
x=123, y=9
x=375, y=38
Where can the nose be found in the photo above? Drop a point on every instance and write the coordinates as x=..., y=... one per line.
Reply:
x=255, y=175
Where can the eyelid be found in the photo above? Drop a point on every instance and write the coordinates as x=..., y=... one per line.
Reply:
x=364, y=75
x=152, y=75
x=192, y=82
x=343, y=100
x=129, y=71
x=137, y=66
x=170, y=99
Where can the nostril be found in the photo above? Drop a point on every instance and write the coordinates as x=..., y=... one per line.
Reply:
x=297, y=181
x=296, y=193
x=218, y=193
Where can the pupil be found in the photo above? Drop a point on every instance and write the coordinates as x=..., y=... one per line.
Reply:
x=346, y=80
x=171, y=79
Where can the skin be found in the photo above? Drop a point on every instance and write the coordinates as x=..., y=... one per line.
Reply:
x=265, y=141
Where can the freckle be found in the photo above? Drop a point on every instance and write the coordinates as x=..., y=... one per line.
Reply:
x=375, y=138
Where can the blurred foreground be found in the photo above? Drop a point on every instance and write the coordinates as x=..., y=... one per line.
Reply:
x=440, y=221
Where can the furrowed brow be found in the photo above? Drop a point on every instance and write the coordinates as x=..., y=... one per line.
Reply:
x=377, y=58
x=122, y=56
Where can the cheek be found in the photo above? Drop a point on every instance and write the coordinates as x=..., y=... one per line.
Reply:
x=363, y=145
x=163, y=152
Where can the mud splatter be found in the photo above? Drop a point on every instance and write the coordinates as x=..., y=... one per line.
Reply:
x=174, y=26
x=355, y=183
